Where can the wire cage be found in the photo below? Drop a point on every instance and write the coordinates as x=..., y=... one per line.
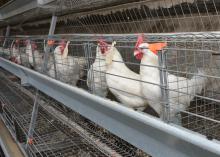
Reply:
x=145, y=16
x=55, y=136
x=180, y=87
x=172, y=76
x=128, y=16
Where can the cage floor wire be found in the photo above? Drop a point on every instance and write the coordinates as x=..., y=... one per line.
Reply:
x=53, y=137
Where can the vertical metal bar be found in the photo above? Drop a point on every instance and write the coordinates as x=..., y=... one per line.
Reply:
x=53, y=25
x=164, y=86
x=47, y=50
x=89, y=51
x=36, y=105
x=54, y=65
x=88, y=56
x=33, y=56
x=6, y=35
x=33, y=120
x=11, y=47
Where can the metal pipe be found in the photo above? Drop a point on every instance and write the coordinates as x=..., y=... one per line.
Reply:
x=6, y=35
x=47, y=50
x=53, y=25
x=33, y=56
x=33, y=120
x=164, y=86
x=44, y=69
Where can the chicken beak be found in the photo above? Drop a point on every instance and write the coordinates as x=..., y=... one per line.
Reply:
x=157, y=47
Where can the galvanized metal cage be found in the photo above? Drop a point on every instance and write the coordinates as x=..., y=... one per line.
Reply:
x=187, y=68
x=128, y=16
x=55, y=134
x=177, y=83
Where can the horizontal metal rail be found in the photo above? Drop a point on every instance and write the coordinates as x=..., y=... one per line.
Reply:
x=208, y=37
x=145, y=132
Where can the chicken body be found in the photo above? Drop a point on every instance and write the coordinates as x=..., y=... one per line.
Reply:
x=34, y=55
x=122, y=82
x=96, y=80
x=14, y=54
x=181, y=90
x=67, y=67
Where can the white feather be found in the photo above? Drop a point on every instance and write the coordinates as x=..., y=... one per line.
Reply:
x=181, y=90
x=96, y=80
x=122, y=82
x=35, y=55
x=67, y=67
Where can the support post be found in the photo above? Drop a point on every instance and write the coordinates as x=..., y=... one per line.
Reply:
x=53, y=25
x=33, y=120
x=6, y=35
x=11, y=47
x=33, y=55
x=164, y=87
x=54, y=64
x=48, y=48
x=36, y=105
x=88, y=56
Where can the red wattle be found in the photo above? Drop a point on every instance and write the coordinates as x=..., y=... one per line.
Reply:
x=139, y=56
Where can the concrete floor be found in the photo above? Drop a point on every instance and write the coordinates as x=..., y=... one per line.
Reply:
x=9, y=144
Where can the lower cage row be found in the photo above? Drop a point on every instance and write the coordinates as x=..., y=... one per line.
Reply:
x=67, y=134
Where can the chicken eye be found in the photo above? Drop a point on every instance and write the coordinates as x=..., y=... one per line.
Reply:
x=142, y=48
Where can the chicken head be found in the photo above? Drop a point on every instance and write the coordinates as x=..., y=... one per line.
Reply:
x=142, y=48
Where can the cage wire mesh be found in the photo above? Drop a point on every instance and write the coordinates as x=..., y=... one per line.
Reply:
x=56, y=136
x=128, y=16
x=188, y=65
x=146, y=16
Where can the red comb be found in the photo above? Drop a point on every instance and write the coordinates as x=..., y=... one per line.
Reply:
x=137, y=52
x=62, y=42
x=34, y=45
x=17, y=41
x=102, y=42
x=140, y=40
x=25, y=42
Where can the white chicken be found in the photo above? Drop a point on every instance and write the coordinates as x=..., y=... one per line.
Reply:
x=122, y=82
x=96, y=80
x=181, y=90
x=67, y=67
x=33, y=55
x=6, y=51
x=15, y=54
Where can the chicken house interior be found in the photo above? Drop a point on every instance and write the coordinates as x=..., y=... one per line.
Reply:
x=111, y=78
